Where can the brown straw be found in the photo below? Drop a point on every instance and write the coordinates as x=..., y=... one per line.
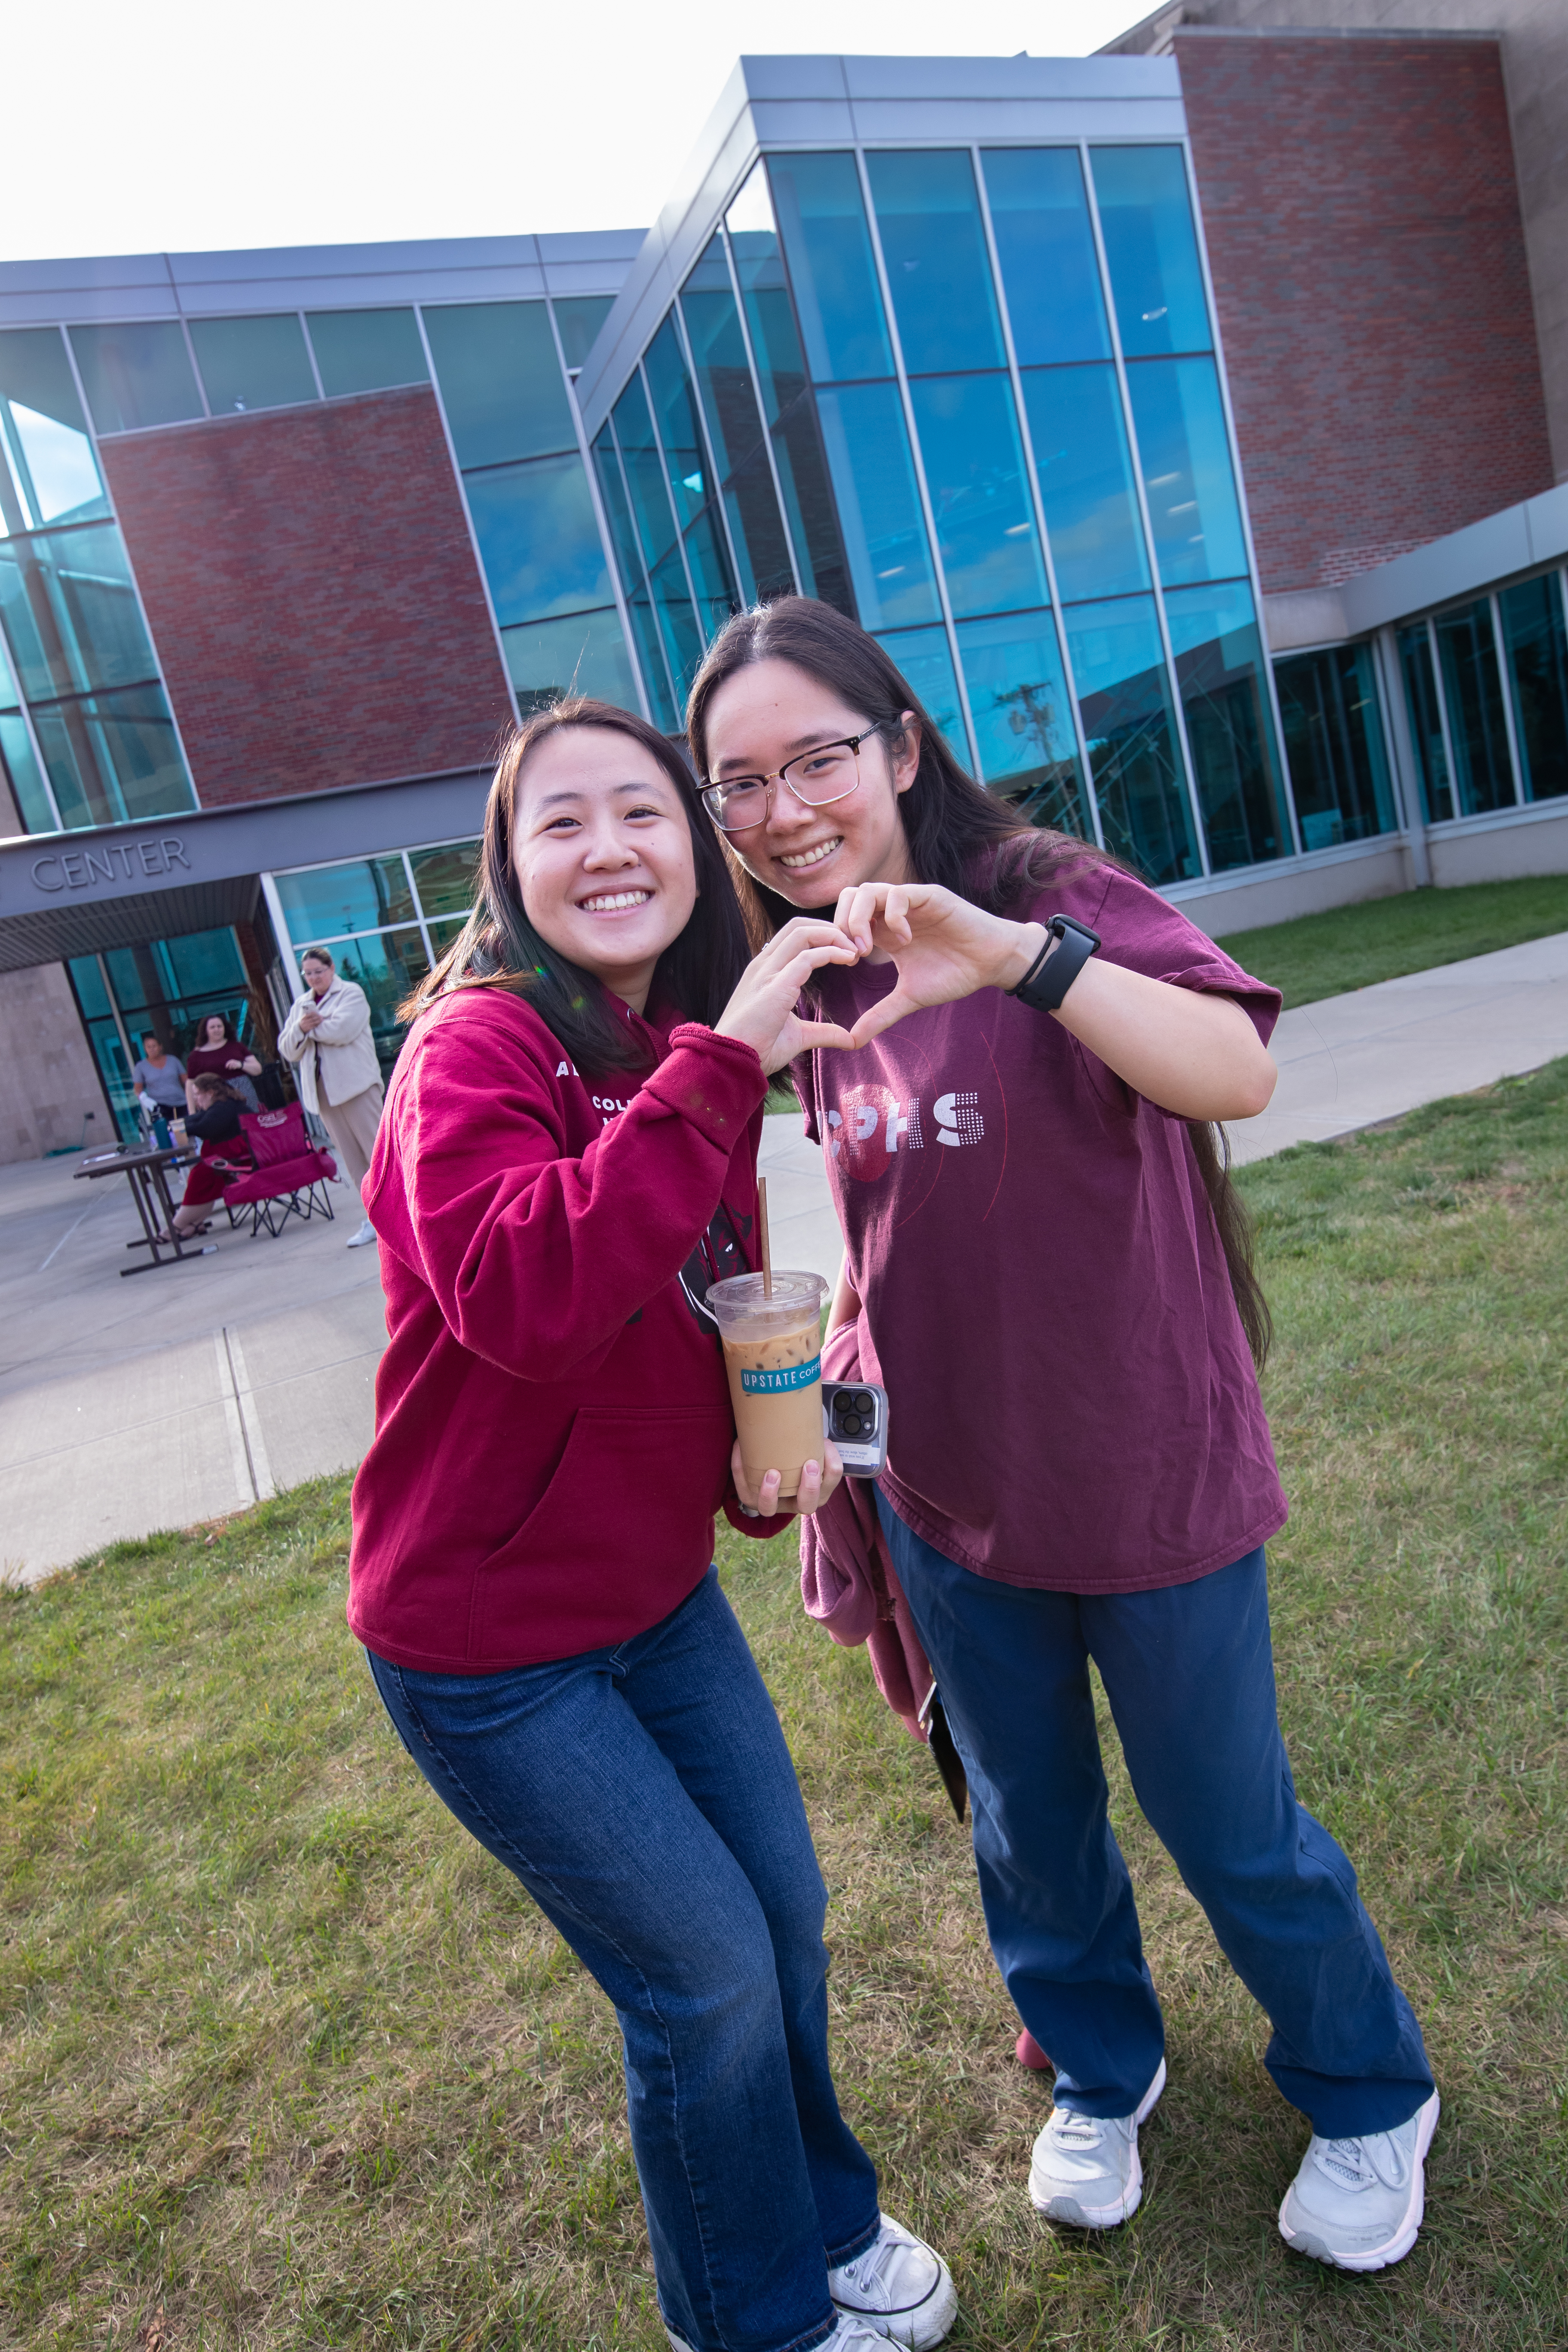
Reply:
x=763, y=1237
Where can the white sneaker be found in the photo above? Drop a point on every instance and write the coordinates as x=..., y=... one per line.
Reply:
x=1357, y=2203
x=1085, y=2170
x=363, y=1238
x=849, y=2335
x=899, y=2289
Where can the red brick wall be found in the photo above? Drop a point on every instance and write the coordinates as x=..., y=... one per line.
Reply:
x=313, y=595
x=1363, y=220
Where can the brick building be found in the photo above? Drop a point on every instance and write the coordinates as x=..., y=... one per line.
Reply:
x=1183, y=418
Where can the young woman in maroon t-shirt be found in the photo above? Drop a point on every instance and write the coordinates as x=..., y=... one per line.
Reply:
x=1051, y=1274
x=566, y=1160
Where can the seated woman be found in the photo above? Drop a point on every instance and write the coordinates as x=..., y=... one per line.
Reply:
x=218, y=1053
x=566, y=1161
x=225, y=1152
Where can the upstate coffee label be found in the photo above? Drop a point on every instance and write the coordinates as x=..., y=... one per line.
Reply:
x=793, y=1376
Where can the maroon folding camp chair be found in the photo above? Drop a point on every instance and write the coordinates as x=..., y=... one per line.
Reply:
x=290, y=1175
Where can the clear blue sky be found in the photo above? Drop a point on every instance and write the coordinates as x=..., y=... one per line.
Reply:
x=171, y=125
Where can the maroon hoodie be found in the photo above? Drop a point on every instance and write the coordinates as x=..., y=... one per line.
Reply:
x=552, y=1421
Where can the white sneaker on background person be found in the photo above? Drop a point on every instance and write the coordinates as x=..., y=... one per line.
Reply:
x=899, y=2288
x=1357, y=2203
x=1085, y=2170
x=363, y=1238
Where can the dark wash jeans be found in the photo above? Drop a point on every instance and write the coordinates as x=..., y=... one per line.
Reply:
x=645, y=1796
x=1189, y=1672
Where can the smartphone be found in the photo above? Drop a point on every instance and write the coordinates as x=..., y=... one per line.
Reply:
x=856, y=1414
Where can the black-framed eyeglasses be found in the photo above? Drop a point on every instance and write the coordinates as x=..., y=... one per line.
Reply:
x=816, y=778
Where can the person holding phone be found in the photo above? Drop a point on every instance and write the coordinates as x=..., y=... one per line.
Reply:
x=1051, y=1274
x=566, y=1161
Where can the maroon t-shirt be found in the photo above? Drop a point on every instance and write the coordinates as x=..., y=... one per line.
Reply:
x=1072, y=1402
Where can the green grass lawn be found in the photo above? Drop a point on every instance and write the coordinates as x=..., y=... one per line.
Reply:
x=286, y=2060
x=1350, y=947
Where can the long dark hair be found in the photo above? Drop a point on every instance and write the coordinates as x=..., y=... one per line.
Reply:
x=498, y=947
x=959, y=835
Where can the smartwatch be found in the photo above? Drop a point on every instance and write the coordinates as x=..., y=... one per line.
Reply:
x=1051, y=975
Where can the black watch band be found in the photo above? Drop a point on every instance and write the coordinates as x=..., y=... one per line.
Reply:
x=1049, y=977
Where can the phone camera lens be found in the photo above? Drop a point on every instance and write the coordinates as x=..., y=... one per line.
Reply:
x=850, y=1425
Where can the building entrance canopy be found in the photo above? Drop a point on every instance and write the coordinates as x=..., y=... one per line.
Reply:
x=64, y=895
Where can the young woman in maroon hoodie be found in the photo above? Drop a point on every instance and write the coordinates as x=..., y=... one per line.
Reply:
x=566, y=1160
x=1051, y=1274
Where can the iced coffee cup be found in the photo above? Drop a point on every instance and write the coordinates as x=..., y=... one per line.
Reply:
x=773, y=1353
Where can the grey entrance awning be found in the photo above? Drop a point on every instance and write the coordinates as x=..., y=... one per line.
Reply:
x=71, y=894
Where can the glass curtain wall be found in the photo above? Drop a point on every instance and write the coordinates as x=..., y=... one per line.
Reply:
x=387, y=921
x=85, y=733
x=1486, y=687
x=985, y=386
x=514, y=436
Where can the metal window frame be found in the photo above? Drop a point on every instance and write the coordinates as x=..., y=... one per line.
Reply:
x=738, y=298
x=609, y=426
x=1504, y=688
x=62, y=330
x=1189, y=775
x=600, y=519
x=923, y=489
x=1032, y=479
x=468, y=512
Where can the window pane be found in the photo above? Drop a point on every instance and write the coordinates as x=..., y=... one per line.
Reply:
x=1023, y=720
x=1192, y=508
x=1333, y=745
x=707, y=560
x=70, y=612
x=500, y=381
x=650, y=658
x=1049, y=268
x=332, y=899
x=643, y=472
x=675, y=410
x=878, y=505
x=770, y=314
x=366, y=351
x=974, y=472
x=934, y=244
x=1156, y=279
x=1426, y=723
x=446, y=878
x=1085, y=470
x=23, y=774
x=388, y=966
x=823, y=224
x=1467, y=655
x=926, y=664
x=613, y=490
x=136, y=375
x=578, y=318
x=445, y=931
x=112, y=758
x=47, y=470
x=719, y=355
x=204, y=963
x=1230, y=730
x=683, y=642
x=1124, y=700
x=808, y=501
x=757, y=529
x=584, y=655
x=539, y=538
x=1538, y=679
x=252, y=362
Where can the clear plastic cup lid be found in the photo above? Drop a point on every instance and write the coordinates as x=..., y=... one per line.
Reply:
x=741, y=1298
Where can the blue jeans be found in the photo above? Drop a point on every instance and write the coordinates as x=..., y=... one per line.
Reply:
x=1190, y=1675
x=645, y=1796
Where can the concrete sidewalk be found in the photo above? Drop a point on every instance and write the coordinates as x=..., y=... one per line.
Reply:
x=185, y=1393
x=198, y=1389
